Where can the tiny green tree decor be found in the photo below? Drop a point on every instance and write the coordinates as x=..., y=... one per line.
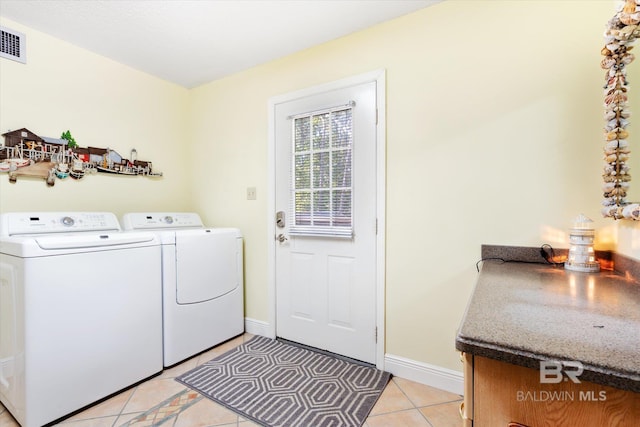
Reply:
x=72, y=142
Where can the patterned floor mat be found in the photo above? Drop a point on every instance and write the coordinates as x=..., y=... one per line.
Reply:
x=280, y=385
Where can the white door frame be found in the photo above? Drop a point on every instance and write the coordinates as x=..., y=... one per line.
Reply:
x=378, y=76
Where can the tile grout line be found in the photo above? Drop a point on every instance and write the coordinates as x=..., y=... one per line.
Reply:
x=133, y=390
x=431, y=406
x=439, y=403
x=414, y=405
x=71, y=419
x=191, y=396
x=405, y=394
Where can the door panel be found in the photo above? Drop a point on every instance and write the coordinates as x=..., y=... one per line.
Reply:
x=341, y=286
x=326, y=281
x=302, y=286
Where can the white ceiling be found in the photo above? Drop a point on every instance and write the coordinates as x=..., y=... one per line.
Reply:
x=191, y=42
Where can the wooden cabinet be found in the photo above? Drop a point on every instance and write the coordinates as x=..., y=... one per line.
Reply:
x=502, y=394
x=466, y=409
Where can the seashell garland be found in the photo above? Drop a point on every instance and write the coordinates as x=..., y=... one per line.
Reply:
x=621, y=32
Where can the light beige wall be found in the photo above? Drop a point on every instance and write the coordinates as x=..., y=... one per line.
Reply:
x=493, y=136
x=629, y=236
x=103, y=104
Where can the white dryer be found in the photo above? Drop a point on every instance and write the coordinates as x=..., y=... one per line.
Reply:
x=202, y=281
x=80, y=311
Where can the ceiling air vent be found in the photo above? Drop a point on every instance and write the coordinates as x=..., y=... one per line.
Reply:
x=12, y=45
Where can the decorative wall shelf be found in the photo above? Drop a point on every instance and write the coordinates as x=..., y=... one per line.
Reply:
x=26, y=154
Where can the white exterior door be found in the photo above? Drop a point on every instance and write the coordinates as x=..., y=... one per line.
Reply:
x=325, y=220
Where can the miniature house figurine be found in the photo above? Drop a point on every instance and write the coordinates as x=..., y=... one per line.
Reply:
x=581, y=254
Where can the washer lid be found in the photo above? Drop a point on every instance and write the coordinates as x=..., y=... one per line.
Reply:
x=77, y=241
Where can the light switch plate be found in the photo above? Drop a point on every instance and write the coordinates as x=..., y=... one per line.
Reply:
x=251, y=193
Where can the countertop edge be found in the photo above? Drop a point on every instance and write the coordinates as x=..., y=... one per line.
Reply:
x=591, y=373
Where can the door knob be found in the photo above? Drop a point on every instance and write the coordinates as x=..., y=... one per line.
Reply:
x=281, y=238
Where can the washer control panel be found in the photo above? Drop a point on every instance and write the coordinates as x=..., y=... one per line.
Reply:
x=161, y=220
x=19, y=223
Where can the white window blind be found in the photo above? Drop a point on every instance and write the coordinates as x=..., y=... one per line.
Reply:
x=322, y=191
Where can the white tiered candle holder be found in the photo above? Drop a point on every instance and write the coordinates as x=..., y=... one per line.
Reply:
x=582, y=256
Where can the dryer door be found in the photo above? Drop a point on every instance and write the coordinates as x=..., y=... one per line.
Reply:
x=206, y=264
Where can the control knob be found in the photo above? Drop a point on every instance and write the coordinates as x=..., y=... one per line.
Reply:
x=67, y=221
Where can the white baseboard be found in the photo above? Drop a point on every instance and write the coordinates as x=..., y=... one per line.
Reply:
x=423, y=373
x=258, y=327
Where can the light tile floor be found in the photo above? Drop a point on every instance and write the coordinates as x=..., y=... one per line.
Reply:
x=163, y=401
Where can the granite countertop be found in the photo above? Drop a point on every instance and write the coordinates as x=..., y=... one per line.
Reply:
x=525, y=313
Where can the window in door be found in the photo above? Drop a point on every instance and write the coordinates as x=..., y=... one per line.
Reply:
x=322, y=173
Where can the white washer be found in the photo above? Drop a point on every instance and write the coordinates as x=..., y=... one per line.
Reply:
x=80, y=311
x=202, y=281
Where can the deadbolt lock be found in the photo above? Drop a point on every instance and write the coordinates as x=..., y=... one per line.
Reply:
x=280, y=219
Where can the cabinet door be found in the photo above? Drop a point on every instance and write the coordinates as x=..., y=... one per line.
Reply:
x=505, y=393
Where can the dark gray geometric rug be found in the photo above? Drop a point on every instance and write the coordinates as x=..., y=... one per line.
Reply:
x=280, y=385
